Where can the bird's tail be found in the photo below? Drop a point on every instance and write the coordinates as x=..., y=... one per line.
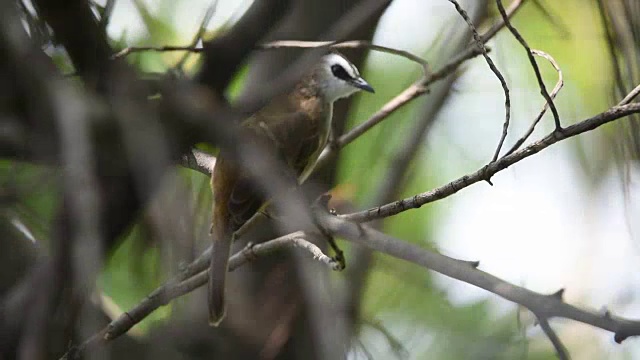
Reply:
x=221, y=249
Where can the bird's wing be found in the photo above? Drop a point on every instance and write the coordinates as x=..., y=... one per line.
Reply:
x=295, y=136
x=244, y=201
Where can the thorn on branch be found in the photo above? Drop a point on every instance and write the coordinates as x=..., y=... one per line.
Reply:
x=554, y=92
x=559, y=294
x=474, y=264
x=619, y=337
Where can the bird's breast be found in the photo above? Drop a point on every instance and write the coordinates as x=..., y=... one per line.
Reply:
x=316, y=142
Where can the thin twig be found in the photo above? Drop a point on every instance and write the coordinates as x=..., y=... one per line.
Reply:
x=561, y=350
x=507, y=100
x=203, y=26
x=489, y=170
x=630, y=96
x=394, y=343
x=174, y=289
x=534, y=65
x=554, y=92
x=106, y=14
x=350, y=44
x=134, y=49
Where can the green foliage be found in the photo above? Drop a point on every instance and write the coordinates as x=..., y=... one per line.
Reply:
x=131, y=273
x=32, y=193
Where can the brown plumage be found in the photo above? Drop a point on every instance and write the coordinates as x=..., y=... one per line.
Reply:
x=296, y=127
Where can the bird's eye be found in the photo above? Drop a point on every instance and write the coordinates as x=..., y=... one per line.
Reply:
x=339, y=72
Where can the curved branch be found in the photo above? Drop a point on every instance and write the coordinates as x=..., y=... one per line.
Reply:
x=350, y=44
x=534, y=65
x=507, y=100
x=554, y=92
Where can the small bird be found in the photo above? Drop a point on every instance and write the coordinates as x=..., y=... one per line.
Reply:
x=296, y=126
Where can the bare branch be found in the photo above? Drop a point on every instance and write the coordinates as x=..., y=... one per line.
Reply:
x=544, y=306
x=211, y=10
x=489, y=170
x=507, y=100
x=561, y=350
x=632, y=95
x=554, y=92
x=351, y=44
x=532, y=60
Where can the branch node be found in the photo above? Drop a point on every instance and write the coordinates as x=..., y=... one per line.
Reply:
x=248, y=253
x=486, y=174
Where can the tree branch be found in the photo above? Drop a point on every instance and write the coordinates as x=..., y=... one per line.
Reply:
x=184, y=284
x=561, y=350
x=491, y=169
x=350, y=44
x=543, y=306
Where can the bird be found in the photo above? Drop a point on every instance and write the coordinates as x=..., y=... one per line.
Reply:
x=296, y=126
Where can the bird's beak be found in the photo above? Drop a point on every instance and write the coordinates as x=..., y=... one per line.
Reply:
x=362, y=84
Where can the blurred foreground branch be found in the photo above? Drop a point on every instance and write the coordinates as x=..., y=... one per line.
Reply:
x=193, y=277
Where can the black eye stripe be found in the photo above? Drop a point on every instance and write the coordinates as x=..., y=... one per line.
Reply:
x=339, y=72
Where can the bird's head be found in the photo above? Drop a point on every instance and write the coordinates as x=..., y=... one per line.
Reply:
x=336, y=77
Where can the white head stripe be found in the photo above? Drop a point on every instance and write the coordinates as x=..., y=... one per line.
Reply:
x=332, y=59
